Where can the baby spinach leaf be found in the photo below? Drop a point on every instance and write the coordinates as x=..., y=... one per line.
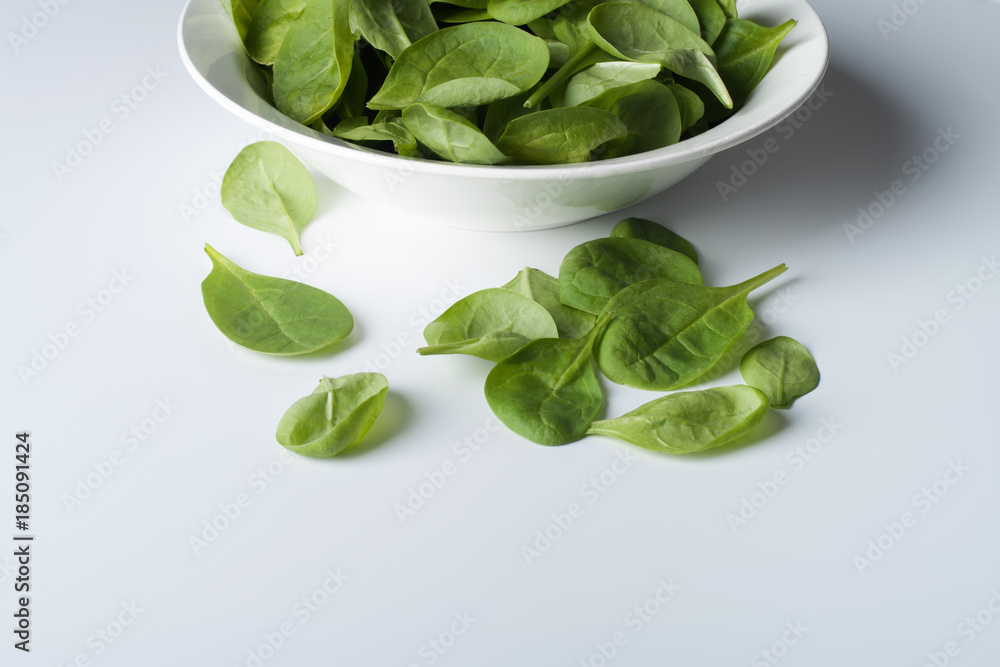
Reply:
x=690, y=105
x=314, y=60
x=356, y=129
x=271, y=315
x=745, y=51
x=267, y=188
x=352, y=100
x=600, y=77
x=543, y=289
x=711, y=18
x=728, y=8
x=559, y=136
x=468, y=64
x=649, y=112
x=269, y=26
x=647, y=230
x=664, y=334
x=490, y=324
x=688, y=421
x=521, y=12
x=450, y=135
x=678, y=10
x=594, y=272
x=392, y=26
x=501, y=112
x=782, y=369
x=635, y=32
x=241, y=12
x=547, y=391
x=335, y=416
x=445, y=14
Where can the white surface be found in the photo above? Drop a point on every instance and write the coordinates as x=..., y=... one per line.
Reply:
x=501, y=198
x=665, y=518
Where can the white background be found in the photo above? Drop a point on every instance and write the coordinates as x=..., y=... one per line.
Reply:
x=143, y=202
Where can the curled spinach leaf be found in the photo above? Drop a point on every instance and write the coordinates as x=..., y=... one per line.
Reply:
x=548, y=390
x=271, y=315
x=649, y=112
x=745, y=51
x=391, y=129
x=664, y=334
x=335, y=417
x=450, y=135
x=689, y=421
x=267, y=188
x=559, y=136
x=490, y=324
x=600, y=77
x=647, y=230
x=781, y=368
x=594, y=272
x=543, y=289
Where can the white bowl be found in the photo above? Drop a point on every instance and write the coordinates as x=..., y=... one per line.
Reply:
x=504, y=198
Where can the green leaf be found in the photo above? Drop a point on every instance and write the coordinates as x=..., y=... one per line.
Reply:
x=543, y=289
x=711, y=18
x=649, y=112
x=269, y=27
x=647, y=230
x=598, y=78
x=664, y=334
x=641, y=34
x=490, y=324
x=728, y=8
x=450, y=136
x=464, y=65
x=241, y=12
x=335, y=417
x=521, y=12
x=352, y=100
x=559, y=136
x=690, y=105
x=678, y=10
x=500, y=113
x=745, y=51
x=313, y=63
x=267, y=188
x=548, y=390
x=782, y=369
x=356, y=129
x=392, y=26
x=594, y=272
x=271, y=315
x=690, y=421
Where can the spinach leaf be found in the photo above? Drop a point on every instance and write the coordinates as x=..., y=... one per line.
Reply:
x=689, y=421
x=543, y=289
x=678, y=10
x=637, y=33
x=356, y=129
x=649, y=112
x=468, y=64
x=314, y=60
x=460, y=15
x=548, y=390
x=782, y=369
x=600, y=77
x=335, y=416
x=267, y=188
x=559, y=136
x=745, y=51
x=392, y=26
x=594, y=272
x=490, y=324
x=728, y=8
x=269, y=26
x=521, y=12
x=241, y=12
x=664, y=334
x=690, y=105
x=647, y=230
x=271, y=315
x=501, y=112
x=711, y=18
x=450, y=135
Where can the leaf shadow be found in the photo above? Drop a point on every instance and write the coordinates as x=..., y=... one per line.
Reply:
x=396, y=416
